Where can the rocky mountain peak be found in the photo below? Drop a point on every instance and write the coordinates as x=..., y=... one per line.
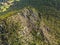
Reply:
x=26, y=28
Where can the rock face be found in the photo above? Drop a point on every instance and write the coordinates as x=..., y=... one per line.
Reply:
x=26, y=28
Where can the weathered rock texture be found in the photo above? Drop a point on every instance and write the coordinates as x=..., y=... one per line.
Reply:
x=25, y=28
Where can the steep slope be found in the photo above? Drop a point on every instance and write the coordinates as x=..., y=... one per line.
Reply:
x=27, y=27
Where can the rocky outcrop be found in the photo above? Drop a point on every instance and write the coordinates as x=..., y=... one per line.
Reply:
x=26, y=28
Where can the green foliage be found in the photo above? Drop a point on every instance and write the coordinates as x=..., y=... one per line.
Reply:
x=8, y=14
x=50, y=13
x=4, y=5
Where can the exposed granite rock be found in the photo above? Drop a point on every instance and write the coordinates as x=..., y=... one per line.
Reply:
x=26, y=28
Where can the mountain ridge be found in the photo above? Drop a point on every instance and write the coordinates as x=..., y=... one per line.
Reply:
x=31, y=22
x=28, y=22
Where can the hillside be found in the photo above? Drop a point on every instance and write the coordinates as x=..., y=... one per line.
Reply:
x=31, y=22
